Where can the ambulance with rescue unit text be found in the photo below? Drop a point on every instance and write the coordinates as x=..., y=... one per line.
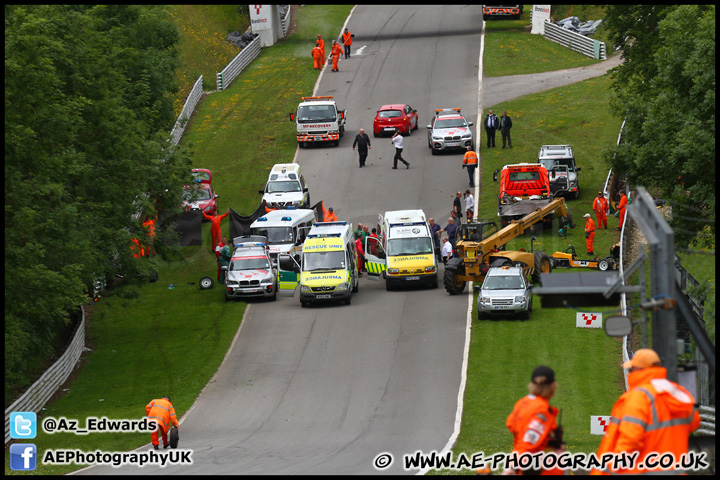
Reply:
x=404, y=254
x=327, y=270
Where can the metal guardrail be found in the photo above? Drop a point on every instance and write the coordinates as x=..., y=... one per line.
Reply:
x=188, y=109
x=248, y=54
x=707, y=421
x=574, y=41
x=286, y=22
x=35, y=397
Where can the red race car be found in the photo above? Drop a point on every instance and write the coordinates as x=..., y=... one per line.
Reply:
x=206, y=198
x=396, y=117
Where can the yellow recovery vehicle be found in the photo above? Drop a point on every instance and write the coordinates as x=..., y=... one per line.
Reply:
x=477, y=254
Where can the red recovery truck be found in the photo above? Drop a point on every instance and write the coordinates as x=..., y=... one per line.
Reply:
x=524, y=187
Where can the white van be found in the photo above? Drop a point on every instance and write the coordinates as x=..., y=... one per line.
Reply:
x=327, y=269
x=286, y=187
x=285, y=230
x=405, y=252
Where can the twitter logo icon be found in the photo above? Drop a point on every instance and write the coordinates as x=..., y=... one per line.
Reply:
x=23, y=425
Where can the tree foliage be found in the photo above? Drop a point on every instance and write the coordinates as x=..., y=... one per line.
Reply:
x=87, y=119
x=666, y=90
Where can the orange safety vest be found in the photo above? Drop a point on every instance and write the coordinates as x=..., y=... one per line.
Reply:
x=163, y=411
x=531, y=423
x=654, y=416
x=600, y=205
x=470, y=158
x=347, y=38
x=317, y=53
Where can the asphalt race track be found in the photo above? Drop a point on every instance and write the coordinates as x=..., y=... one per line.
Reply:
x=325, y=389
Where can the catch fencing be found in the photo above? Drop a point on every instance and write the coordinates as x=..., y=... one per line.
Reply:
x=574, y=41
x=35, y=397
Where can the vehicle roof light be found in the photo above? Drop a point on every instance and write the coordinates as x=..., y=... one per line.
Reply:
x=286, y=219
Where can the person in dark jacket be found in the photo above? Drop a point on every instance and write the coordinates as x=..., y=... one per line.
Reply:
x=505, y=126
x=363, y=143
x=491, y=124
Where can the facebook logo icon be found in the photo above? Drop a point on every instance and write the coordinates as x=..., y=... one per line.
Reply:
x=23, y=425
x=23, y=456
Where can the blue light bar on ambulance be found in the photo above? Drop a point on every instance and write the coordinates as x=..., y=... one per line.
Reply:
x=262, y=219
x=326, y=224
x=286, y=219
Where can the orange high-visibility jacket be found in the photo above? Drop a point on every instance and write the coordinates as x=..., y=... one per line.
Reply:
x=622, y=203
x=589, y=225
x=336, y=51
x=163, y=411
x=470, y=158
x=600, y=205
x=317, y=53
x=347, y=38
x=654, y=415
x=531, y=422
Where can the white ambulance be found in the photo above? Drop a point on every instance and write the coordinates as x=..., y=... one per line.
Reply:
x=404, y=253
x=286, y=187
x=327, y=269
x=285, y=230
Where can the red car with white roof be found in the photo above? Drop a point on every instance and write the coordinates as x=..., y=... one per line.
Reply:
x=205, y=197
x=449, y=130
x=395, y=118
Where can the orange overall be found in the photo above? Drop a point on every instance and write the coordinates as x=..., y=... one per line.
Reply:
x=163, y=412
x=601, y=207
x=321, y=44
x=335, y=53
x=589, y=235
x=622, y=204
x=317, y=57
x=215, y=226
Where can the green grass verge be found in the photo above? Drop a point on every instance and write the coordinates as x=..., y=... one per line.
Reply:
x=510, y=48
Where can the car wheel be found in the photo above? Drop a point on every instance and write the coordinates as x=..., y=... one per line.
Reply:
x=375, y=134
x=303, y=303
x=409, y=130
x=433, y=151
x=603, y=265
x=417, y=122
x=348, y=300
x=206, y=283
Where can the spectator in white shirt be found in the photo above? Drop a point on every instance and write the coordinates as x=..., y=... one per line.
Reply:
x=469, y=205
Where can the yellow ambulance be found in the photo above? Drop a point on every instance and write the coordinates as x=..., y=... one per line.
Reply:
x=404, y=252
x=327, y=270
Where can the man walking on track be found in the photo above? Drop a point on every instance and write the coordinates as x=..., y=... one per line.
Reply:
x=363, y=143
x=397, y=141
x=470, y=161
x=347, y=42
x=335, y=53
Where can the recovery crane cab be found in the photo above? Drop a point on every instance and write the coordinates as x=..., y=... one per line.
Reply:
x=477, y=256
x=524, y=187
x=318, y=119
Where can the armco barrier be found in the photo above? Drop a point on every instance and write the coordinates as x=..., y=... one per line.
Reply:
x=190, y=103
x=575, y=41
x=45, y=387
x=242, y=60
